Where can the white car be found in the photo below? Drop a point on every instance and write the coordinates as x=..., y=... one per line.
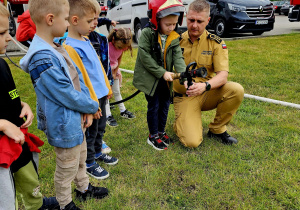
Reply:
x=133, y=14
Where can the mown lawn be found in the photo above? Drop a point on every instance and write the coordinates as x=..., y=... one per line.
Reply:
x=261, y=172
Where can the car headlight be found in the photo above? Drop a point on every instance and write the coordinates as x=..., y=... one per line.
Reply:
x=236, y=8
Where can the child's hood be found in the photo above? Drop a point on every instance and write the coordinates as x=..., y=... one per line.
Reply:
x=24, y=16
x=37, y=45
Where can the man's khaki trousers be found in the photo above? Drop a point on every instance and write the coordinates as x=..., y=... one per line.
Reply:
x=188, y=123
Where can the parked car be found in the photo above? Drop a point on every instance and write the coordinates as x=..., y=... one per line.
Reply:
x=277, y=6
x=294, y=13
x=103, y=8
x=285, y=8
x=255, y=16
x=130, y=14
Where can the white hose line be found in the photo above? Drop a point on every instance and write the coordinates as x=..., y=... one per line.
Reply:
x=283, y=103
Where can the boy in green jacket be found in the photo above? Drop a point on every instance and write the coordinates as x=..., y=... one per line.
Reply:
x=158, y=53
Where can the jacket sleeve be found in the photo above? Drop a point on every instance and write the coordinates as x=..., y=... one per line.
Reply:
x=178, y=60
x=103, y=21
x=144, y=51
x=56, y=85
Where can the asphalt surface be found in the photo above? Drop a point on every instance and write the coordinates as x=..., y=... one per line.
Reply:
x=281, y=26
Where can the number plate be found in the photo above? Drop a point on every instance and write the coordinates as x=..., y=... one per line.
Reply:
x=261, y=22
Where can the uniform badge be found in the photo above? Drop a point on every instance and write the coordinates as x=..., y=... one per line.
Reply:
x=224, y=46
x=215, y=37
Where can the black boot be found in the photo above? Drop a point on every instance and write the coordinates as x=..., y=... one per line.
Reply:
x=224, y=137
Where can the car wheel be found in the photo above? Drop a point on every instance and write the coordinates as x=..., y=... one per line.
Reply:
x=279, y=13
x=220, y=28
x=286, y=14
x=12, y=26
x=256, y=33
x=137, y=32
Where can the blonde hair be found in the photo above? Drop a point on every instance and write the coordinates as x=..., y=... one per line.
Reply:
x=200, y=6
x=97, y=6
x=81, y=7
x=3, y=11
x=121, y=37
x=38, y=9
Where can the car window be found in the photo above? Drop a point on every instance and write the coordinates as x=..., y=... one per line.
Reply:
x=115, y=3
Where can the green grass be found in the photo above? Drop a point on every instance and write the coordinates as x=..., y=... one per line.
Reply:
x=261, y=172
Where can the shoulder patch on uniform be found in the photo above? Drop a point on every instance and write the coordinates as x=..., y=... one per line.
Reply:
x=214, y=37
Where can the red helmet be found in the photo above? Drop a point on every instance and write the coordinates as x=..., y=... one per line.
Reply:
x=163, y=8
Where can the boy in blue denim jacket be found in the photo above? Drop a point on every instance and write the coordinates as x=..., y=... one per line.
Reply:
x=64, y=105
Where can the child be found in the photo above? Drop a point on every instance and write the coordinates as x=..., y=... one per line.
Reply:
x=100, y=44
x=62, y=100
x=119, y=41
x=18, y=147
x=26, y=29
x=158, y=53
x=82, y=13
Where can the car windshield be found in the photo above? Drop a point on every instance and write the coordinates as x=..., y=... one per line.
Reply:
x=278, y=3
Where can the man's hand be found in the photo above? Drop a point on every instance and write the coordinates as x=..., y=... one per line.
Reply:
x=195, y=89
x=88, y=120
x=97, y=115
x=27, y=113
x=114, y=23
x=168, y=76
x=12, y=131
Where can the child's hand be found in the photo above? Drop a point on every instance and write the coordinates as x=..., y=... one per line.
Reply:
x=88, y=120
x=114, y=23
x=168, y=76
x=97, y=115
x=114, y=74
x=27, y=113
x=12, y=131
x=109, y=96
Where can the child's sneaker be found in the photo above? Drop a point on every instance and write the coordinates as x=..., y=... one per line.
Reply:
x=92, y=192
x=71, y=206
x=49, y=203
x=107, y=159
x=166, y=139
x=111, y=121
x=105, y=149
x=156, y=143
x=127, y=114
x=97, y=172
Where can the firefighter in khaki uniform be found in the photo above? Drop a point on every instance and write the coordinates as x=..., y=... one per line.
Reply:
x=211, y=92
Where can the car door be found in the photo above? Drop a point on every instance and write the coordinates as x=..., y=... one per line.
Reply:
x=125, y=13
x=114, y=10
x=121, y=12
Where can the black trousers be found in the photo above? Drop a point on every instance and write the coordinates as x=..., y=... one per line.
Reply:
x=95, y=133
x=158, y=108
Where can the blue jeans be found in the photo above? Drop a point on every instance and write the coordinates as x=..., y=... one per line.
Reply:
x=94, y=134
x=158, y=108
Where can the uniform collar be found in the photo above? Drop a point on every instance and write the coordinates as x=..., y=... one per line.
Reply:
x=187, y=36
